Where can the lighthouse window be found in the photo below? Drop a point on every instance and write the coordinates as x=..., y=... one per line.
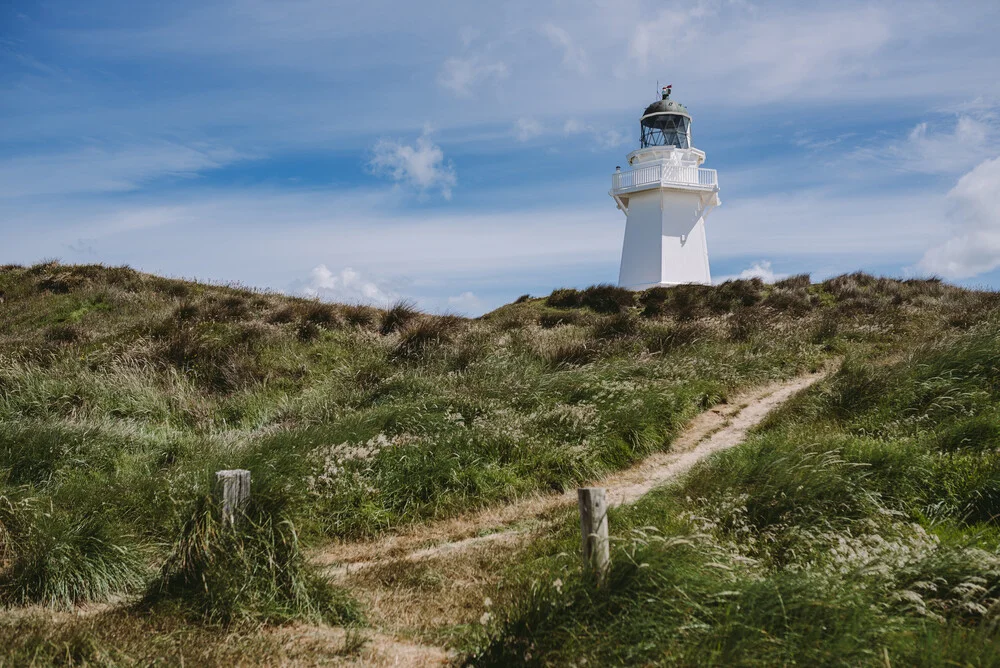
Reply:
x=665, y=130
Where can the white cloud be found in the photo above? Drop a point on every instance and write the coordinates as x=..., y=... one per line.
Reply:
x=527, y=128
x=465, y=302
x=975, y=247
x=347, y=286
x=574, y=56
x=760, y=269
x=421, y=165
x=461, y=75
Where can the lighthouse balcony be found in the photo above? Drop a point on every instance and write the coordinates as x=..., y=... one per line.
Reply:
x=664, y=176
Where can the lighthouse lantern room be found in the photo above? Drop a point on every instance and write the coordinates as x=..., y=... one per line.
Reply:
x=665, y=195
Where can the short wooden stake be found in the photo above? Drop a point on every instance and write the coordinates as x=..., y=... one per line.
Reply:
x=594, y=530
x=232, y=493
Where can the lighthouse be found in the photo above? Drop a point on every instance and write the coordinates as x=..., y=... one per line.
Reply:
x=665, y=195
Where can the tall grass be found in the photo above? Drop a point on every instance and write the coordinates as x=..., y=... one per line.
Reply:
x=252, y=572
x=60, y=559
x=120, y=393
x=858, y=527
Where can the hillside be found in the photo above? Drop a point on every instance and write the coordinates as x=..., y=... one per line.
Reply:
x=866, y=508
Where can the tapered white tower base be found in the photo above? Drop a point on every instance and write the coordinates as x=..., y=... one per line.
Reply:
x=666, y=198
x=664, y=240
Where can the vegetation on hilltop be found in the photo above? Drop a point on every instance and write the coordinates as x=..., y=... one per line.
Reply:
x=121, y=393
x=857, y=527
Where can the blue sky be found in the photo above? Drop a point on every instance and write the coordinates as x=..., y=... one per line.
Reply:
x=459, y=154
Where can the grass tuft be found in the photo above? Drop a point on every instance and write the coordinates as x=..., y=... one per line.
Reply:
x=398, y=316
x=255, y=572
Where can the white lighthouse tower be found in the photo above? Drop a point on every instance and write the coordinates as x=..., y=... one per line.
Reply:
x=665, y=196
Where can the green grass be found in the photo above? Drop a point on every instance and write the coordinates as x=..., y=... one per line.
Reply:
x=250, y=572
x=858, y=526
x=121, y=393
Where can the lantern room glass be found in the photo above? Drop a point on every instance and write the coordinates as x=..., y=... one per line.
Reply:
x=665, y=130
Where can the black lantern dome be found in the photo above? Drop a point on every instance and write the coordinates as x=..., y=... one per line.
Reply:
x=666, y=123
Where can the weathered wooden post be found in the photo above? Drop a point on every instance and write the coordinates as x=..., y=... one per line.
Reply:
x=232, y=493
x=594, y=527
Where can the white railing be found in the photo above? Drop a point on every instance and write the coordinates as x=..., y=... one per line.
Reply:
x=664, y=175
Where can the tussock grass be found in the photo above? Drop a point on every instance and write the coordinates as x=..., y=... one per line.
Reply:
x=252, y=572
x=398, y=315
x=120, y=394
x=859, y=526
x=60, y=559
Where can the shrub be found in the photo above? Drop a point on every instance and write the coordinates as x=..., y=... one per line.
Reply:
x=746, y=322
x=255, y=572
x=607, y=298
x=687, y=301
x=64, y=333
x=418, y=336
x=187, y=310
x=511, y=319
x=359, y=315
x=665, y=338
x=796, y=282
x=796, y=301
x=230, y=307
x=60, y=559
x=307, y=331
x=398, y=315
x=732, y=294
x=320, y=314
x=176, y=289
x=654, y=302
x=564, y=298
x=569, y=353
x=224, y=358
x=616, y=326
x=975, y=433
x=827, y=328
x=548, y=320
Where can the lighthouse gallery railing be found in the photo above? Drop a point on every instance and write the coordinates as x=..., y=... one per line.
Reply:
x=667, y=175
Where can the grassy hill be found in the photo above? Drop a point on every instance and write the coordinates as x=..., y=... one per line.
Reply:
x=861, y=521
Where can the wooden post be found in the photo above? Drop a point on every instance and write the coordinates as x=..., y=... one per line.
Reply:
x=594, y=528
x=232, y=493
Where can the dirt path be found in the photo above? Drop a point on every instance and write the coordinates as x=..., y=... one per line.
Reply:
x=434, y=575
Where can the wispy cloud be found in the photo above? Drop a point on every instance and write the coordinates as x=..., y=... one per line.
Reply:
x=421, y=165
x=945, y=145
x=574, y=57
x=104, y=168
x=527, y=128
x=463, y=75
